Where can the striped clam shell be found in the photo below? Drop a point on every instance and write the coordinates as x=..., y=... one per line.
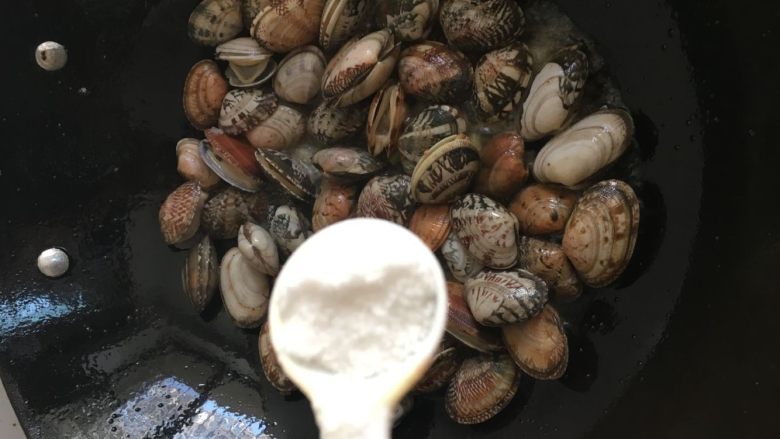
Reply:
x=482, y=387
x=245, y=291
x=539, y=347
x=224, y=213
x=244, y=109
x=426, y=129
x=548, y=261
x=445, y=171
x=271, y=368
x=215, y=21
x=200, y=274
x=487, y=230
x=330, y=124
x=204, y=90
x=499, y=298
x=500, y=80
x=190, y=165
x=180, y=213
x=481, y=25
x=341, y=19
x=435, y=73
x=299, y=179
x=431, y=222
x=386, y=197
x=259, y=248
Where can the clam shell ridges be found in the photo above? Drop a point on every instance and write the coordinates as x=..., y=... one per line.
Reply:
x=481, y=388
x=502, y=298
x=180, y=213
x=539, y=346
x=487, y=230
x=474, y=25
x=386, y=198
x=201, y=274
x=446, y=171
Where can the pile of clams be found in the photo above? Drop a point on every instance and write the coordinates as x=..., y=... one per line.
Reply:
x=438, y=115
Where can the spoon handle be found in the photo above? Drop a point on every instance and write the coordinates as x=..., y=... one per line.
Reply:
x=374, y=426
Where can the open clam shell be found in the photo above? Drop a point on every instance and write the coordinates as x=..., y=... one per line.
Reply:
x=445, y=171
x=243, y=109
x=427, y=128
x=385, y=119
x=482, y=387
x=335, y=202
x=204, y=90
x=503, y=170
x=285, y=25
x=200, y=274
x=271, y=368
x=299, y=75
x=461, y=264
x=259, y=248
x=435, y=73
x=501, y=79
x=290, y=173
x=431, y=223
x=548, y=261
x=487, y=230
x=386, y=198
x=543, y=209
x=462, y=325
x=245, y=291
x=347, y=163
x=180, y=213
x=250, y=76
x=215, y=21
x=539, y=346
x=499, y=298
x=285, y=127
x=481, y=25
x=231, y=159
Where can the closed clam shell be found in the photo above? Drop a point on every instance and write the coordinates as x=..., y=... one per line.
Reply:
x=191, y=166
x=271, y=368
x=285, y=127
x=299, y=75
x=386, y=197
x=500, y=80
x=341, y=19
x=539, y=346
x=250, y=9
x=481, y=25
x=543, y=208
x=481, y=388
x=347, y=163
x=385, y=119
x=548, y=261
x=335, y=202
x=502, y=166
x=584, y=149
x=411, y=20
x=460, y=262
x=180, y=213
x=243, y=109
x=431, y=222
x=462, y=325
x=445, y=171
x=436, y=73
x=245, y=291
x=224, y=213
x=215, y=21
x=259, y=248
x=290, y=173
x=445, y=363
x=360, y=68
x=555, y=89
x=232, y=159
x=289, y=228
x=285, y=25
x=486, y=229
x=499, y=298
x=204, y=90
x=601, y=233
x=330, y=124
x=426, y=129
x=200, y=274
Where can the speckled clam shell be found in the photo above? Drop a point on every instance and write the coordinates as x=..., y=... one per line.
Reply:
x=548, y=261
x=386, y=198
x=487, y=230
x=461, y=264
x=463, y=327
x=289, y=172
x=259, y=248
x=539, y=346
x=445, y=171
x=431, y=223
x=299, y=75
x=204, y=90
x=245, y=291
x=601, y=233
x=543, y=209
x=555, y=90
x=426, y=129
x=481, y=25
x=335, y=202
x=586, y=148
x=232, y=159
x=215, y=21
x=445, y=363
x=270, y=363
x=385, y=119
x=250, y=9
x=190, y=165
x=341, y=19
x=435, y=73
x=347, y=163
x=285, y=25
x=500, y=80
x=200, y=274
x=499, y=298
x=411, y=20
x=180, y=213
x=285, y=127
x=330, y=124
x=289, y=228
x=224, y=213
x=243, y=109
x=502, y=166
x=481, y=388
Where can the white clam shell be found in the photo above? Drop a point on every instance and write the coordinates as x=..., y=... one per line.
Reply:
x=498, y=298
x=245, y=291
x=299, y=75
x=487, y=229
x=259, y=248
x=191, y=166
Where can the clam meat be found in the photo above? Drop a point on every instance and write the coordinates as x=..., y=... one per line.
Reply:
x=543, y=209
x=258, y=248
x=487, y=230
x=539, y=346
x=503, y=170
x=386, y=197
x=215, y=21
x=200, y=274
x=481, y=388
x=445, y=171
x=501, y=79
x=245, y=291
x=499, y=298
x=435, y=73
x=299, y=74
x=249, y=64
x=427, y=128
x=180, y=214
x=548, y=261
x=204, y=90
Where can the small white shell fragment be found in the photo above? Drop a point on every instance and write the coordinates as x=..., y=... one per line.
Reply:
x=51, y=56
x=53, y=262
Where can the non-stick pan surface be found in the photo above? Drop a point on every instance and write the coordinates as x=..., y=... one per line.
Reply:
x=685, y=345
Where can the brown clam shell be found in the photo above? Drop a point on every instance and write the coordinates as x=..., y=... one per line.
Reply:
x=445, y=171
x=501, y=79
x=427, y=128
x=285, y=25
x=431, y=223
x=245, y=108
x=482, y=387
x=480, y=25
x=503, y=168
x=386, y=198
x=330, y=124
x=487, y=229
x=232, y=159
x=445, y=363
x=539, y=346
x=180, y=213
x=347, y=163
x=204, y=89
x=335, y=202
x=200, y=274
x=271, y=368
x=548, y=261
x=462, y=325
x=436, y=73
x=499, y=298
x=283, y=129
x=543, y=209
x=190, y=165
x=225, y=212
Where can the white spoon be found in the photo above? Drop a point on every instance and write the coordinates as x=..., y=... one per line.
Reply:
x=355, y=317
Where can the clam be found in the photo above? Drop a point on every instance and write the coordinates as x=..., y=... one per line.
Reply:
x=258, y=248
x=503, y=168
x=460, y=262
x=481, y=388
x=445, y=171
x=498, y=298
x=285, y=25
x=347, y=163
x=224, y=213
x=245, y=291
x=387, y=198
x=584, y=149
x=51, y=56
x=285, y=127
x=436, y=73
x=215, y=21
x=539, y=346
x=402, y=409
x=191, y=166
x=548, y=261
x=250, y=9
x=204, y=90
x=330, y=124
x=445, y=363
x=426, y=129
x=290, y=173
x=341, y=19
x=200, y=274
x=487, y=230
x=298, y=78
x=542, y=209
x=410, y=20
x=554, y=91
x=360, y=68
x=601, y=233
x=289, y=228
x=335, y=202
x=431, y=222
x=249, y=64
x=232, y=159
x=180, y=213
x=385, y=119
x=500, y=80
x=243, y=109
x=271, y=368
x=481, y=25
x=462, y=326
